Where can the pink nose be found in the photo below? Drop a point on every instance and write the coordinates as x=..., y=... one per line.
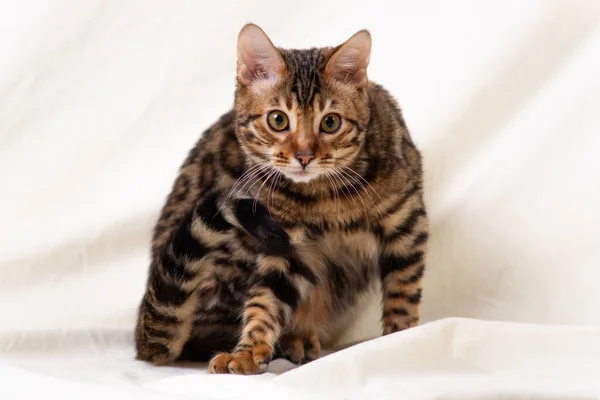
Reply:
x=304, y=158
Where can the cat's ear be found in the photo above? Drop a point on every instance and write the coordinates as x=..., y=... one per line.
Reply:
x=349, y=63
x=257, y=57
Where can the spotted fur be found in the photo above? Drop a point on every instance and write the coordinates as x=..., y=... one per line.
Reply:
x=255, y=254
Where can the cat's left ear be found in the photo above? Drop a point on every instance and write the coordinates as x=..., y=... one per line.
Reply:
x=257, y=57
x=349, y=63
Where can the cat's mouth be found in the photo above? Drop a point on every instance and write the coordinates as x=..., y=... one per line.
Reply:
x=300, y=175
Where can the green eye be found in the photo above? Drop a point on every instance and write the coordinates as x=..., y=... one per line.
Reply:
x=278, y=120
x=330, y=123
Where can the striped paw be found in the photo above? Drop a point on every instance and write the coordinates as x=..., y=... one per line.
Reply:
x=156, y=353
x=246, y=362
x=395, y=323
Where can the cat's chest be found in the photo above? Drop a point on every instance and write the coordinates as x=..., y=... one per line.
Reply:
x=352, y=249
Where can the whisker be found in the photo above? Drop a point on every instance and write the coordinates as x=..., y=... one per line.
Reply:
x=337, y=176
x=256, y=175
x=272, y=188
x=364, y=180
x=357, y=192
x=248, y=171
x=242, y=179
x=336, y=193
x=270, y=174
x=245, y=175
x=365, y=189
x=361, y=178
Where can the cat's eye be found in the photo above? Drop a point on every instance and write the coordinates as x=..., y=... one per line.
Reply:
x=330, y=123
x=278, y=121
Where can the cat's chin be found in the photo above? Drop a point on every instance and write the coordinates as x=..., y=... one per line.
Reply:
x=301, y=176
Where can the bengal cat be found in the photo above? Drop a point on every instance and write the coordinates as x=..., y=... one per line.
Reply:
x=286, y=210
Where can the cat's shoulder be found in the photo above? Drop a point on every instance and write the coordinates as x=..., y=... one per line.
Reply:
x=381, y=96
x=385, y=109
x=224, y=126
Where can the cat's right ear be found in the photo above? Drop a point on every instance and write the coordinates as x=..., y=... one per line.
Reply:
x=257, y=57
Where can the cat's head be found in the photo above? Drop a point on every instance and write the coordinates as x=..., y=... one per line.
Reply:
x=302, y=112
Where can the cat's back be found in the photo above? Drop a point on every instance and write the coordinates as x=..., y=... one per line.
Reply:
x=385, y=113
x=217, y=155
x=215, y=161
x=388, y=136
x=210, y=144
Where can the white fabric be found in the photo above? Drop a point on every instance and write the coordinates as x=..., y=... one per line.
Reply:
x=101, y=100
x=450, y=359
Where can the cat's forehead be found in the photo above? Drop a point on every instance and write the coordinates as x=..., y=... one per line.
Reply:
x=304, y=89
x=304, y=74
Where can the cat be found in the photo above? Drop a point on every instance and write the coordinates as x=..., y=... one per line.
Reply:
x=287, y=209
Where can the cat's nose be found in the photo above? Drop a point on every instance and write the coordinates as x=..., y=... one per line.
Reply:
x=304, y=158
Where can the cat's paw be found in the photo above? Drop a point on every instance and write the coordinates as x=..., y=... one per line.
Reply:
x=156, y=353
x=392, y=325
x=247, y=362
x=300, y=349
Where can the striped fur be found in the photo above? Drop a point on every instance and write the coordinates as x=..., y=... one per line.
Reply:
x=248, y=263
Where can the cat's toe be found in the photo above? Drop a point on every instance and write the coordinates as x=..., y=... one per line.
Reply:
x=218, y=364
x=262, y=355
x=293, y=349
x=242, y=362
x=300, y=349
x=242, y=366
x=312, y=348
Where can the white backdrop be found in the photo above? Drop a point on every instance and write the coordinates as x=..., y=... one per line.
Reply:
x=101, y=100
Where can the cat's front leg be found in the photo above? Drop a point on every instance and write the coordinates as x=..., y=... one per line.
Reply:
x=402, y=265
x=269, y=308
x=279, y=283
